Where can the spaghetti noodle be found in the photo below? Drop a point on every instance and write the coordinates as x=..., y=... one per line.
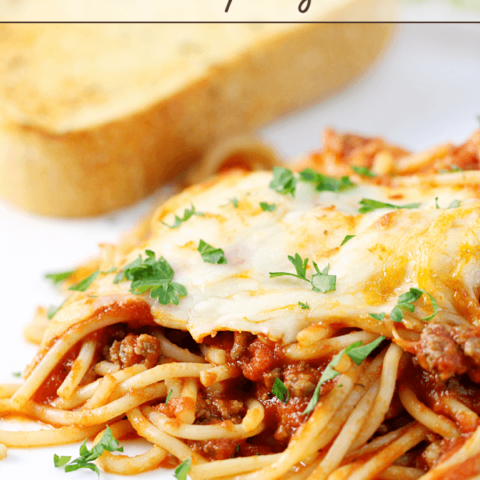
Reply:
x=211, y=334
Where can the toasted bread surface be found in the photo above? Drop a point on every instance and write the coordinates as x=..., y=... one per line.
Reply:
x=95, y=117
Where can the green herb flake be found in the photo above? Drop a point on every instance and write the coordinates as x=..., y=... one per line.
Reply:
x=406, y=300
x=346, y=239
x=83, y=285
x=368, y=205
x=211, y=254
x=323, y=183
x=364, y=171
x=356, y=351
x=187, y=214
x=268, y=207
x=234, y=202
x=107, y=442
x=321, y=281
x=454, y=204
x=156, y=276
x=280, y=391
x=236, y=450
x=377, y=316
x=57, y=278
x=304, y=306
x=182, y=470
x=53, y=310
x=436, y=203
x=17, y=374
x=284, y=181
x=452, y=168
x=170, y=393
x=60, y=461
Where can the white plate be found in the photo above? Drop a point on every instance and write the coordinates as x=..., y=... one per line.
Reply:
x=424, y=92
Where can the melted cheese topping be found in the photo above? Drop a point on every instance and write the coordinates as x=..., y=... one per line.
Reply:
x=436, y=249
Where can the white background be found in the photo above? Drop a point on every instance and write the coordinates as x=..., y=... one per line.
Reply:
x=426, y=90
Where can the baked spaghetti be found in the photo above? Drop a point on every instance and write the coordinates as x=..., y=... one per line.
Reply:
x=318, y=322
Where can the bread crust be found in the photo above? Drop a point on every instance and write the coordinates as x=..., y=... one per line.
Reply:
x=112, y=165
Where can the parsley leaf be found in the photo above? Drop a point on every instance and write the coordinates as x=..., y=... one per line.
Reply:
x=377, y=316
x=405, y=302
x=122, y=274
x=284, y=181
x=168, y=397
x=83, y=285
x=60, y=461
x=359, y=354
x=234, y=202
x=453, y=168
x=107, y=442
x=17, y=374
x=304, y=306
x=368, y=205
x=323, y=183
x=321, y=281
x=356, y=351
x=300, y=266
x=156, y=276
x=346, y=239
x=211, y=254
x=280, y=390
x=52, y=310
x=57, y=278
x=182, y=470
x=187, y=214
x=454, y=204
x=268, y=207
x=364, y=171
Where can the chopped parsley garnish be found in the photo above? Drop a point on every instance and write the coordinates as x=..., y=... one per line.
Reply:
x=182, y=470
x=170, y=393
x=17, y=374
x=405, y=302
x=356, y=351
x=305, y=306
x=268, y=207
x=234, y=202
x=368, y=205
x=211, y=254
x=57, y=278
x=187, y=214
x=52, y=310
x=346, y=239
x=154, y=275
x=83, y=285
x=107, y=442
x=284, y=181
x=236, y=450
x=280, y=391
x=454, y=204
x=453, y=168
x=323, y=183
x=364, y=171
x=321, y=281
x=377, y=316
